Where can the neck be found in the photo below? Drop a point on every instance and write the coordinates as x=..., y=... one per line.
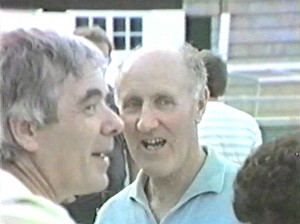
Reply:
x=25, y=169
x=165, y=193
x=181, y=180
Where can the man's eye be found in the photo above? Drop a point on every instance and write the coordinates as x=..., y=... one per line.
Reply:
x=164, y=102
x=91, y=109
x=131, y=105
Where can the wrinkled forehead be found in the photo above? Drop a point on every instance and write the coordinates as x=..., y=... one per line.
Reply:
x=159, y=69
x=153, y=64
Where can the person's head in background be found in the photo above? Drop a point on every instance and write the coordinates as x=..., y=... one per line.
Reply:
x=217, y=73
x=267, y=188
x=57, y=127
x=98, y=36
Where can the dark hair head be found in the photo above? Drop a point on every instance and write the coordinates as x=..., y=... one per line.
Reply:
x=267, y=188
x=217, y=73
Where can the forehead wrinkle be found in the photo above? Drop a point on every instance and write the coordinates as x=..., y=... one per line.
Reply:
x=154, y=57
x=158, y=64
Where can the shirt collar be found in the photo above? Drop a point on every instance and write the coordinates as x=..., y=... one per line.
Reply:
x=209, y=179
x=137, y=191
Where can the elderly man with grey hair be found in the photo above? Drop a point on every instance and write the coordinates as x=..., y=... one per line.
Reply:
x=161, y=94
x=57, y=128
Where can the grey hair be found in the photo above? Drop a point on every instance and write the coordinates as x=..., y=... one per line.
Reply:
x=33, y=66
x=196, y=69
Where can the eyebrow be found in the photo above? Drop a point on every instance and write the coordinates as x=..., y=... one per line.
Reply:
x=163, y=94
x=89, y=94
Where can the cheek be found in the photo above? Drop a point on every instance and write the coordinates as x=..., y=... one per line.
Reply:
x=130, y=132
x=80, y=134
x=178, y=120
x=181, y=125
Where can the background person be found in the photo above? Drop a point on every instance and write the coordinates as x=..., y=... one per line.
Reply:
x=161, y=95
x=98, y=36
x=57, y=129
x=267, y=188
x=231, y=132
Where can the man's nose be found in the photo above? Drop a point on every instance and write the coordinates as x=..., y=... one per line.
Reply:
x=147, y=120
x=113, y=124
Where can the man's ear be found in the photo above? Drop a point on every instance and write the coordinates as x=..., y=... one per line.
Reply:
x=24, y=134
x=201, y=105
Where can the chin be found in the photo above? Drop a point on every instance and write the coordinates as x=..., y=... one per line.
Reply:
x=102, y=183
x=97, y=184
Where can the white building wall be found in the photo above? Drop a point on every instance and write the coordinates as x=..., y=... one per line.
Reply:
x=159, y=27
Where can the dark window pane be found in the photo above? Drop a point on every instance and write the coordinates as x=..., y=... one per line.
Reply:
x=136, y=24
x=119, y=43
x=135, y=41
x=82, y=21
x=198, y=31
x=119, y=24
x=99, y=21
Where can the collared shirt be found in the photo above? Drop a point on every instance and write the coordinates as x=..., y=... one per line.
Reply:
x=208, y=200
x=19, y=206
x=233, y=133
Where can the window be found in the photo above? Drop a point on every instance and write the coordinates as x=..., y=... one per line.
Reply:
x=136, y=29
x=136, y=24
x=82, y=21
x=99, y=21
x=119, y=28
x=125, y=31
x=135, y=42
x=119, y=24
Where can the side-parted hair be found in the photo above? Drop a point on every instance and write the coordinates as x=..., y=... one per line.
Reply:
x=33, y=67
x=267, y=188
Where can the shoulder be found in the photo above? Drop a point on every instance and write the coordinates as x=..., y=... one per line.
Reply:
x=119, y=198
x=19, y=205
x=226, y=167
x=33, y=209
x=110, y=210
x=239, y=113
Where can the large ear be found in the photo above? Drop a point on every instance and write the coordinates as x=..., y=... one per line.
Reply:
x=201, y=105
x=24, y=134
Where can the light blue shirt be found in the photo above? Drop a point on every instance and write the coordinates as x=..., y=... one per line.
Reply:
x=208, y=200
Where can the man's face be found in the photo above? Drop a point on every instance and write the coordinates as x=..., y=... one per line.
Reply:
x=73, y=150
x=159, y=113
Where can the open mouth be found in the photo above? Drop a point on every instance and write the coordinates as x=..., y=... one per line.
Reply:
x=154, y=144
x=99, y=154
